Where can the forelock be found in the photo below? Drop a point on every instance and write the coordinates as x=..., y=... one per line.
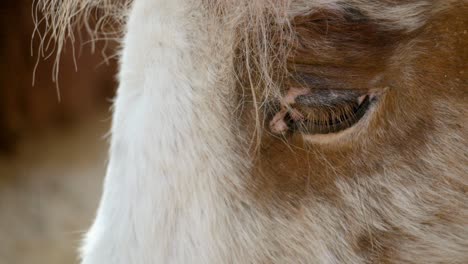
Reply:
x=262, y=26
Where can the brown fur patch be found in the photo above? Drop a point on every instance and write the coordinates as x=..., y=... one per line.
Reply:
x=419, y=71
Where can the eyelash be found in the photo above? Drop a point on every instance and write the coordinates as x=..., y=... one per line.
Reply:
x=330, y=119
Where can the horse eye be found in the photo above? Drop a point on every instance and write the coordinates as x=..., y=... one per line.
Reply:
x=334, y=114
x=324, y=111
x=329, y=111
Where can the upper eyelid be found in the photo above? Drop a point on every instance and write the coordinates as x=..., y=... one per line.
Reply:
x=324, y=98
x=311, y=80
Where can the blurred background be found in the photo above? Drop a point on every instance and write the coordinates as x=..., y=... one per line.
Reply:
x=52, y=152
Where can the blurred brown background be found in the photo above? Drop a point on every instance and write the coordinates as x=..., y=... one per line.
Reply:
x=52, y=153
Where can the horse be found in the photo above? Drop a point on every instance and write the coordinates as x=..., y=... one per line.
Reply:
x=289, y=131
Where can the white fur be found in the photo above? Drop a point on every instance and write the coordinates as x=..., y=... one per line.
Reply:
x=157, y=209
